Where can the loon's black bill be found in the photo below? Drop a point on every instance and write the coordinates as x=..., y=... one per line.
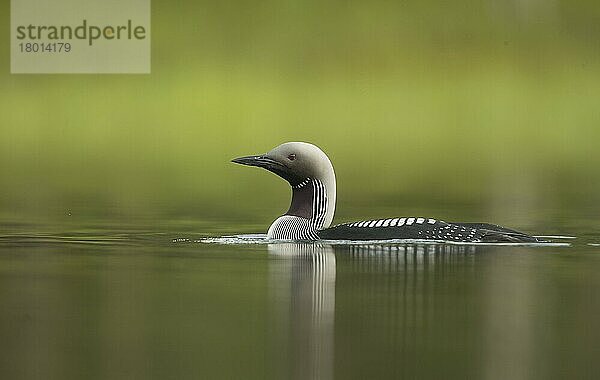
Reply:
x=265, y=162
x=260, y=161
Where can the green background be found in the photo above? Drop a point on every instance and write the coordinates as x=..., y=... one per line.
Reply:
x=494, y=105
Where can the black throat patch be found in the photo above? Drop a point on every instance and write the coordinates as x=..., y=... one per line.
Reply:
x=302, y=200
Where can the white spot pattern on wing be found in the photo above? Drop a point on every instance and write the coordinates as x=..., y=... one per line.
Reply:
x=422, y=228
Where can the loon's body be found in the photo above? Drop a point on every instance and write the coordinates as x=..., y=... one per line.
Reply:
x=312, y=178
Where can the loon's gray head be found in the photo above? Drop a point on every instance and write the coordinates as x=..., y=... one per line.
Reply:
x=310, y=173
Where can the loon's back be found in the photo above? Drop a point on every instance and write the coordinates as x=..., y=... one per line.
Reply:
x=419, y=228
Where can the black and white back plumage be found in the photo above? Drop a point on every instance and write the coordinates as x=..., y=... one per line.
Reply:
x=418, y=228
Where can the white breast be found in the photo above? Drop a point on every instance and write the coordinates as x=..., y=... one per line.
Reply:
x=289, y=227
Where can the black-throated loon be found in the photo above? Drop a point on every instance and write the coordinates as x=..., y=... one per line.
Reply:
x=310, y=174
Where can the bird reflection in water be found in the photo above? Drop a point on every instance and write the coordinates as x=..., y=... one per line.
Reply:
x=303, y=286
x=303, y=276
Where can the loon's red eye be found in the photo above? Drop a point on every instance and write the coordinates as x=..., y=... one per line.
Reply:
x=291, y=157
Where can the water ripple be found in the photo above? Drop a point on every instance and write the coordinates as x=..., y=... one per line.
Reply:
x=262, y=239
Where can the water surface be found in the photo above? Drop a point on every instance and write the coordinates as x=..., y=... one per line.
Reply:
x=109, y=301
